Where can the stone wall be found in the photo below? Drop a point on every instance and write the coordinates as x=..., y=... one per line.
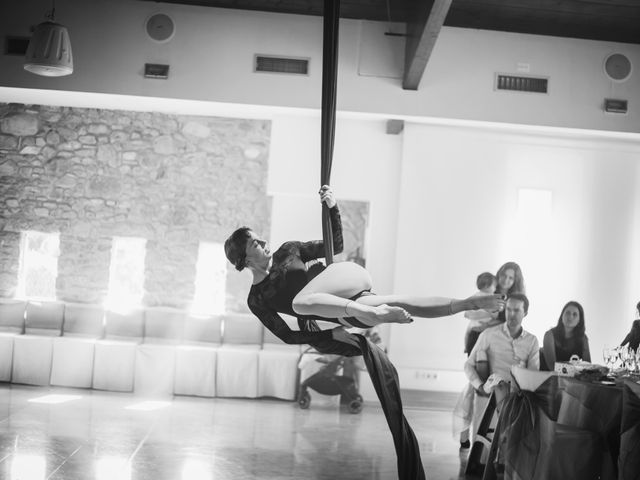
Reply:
x=94, y=174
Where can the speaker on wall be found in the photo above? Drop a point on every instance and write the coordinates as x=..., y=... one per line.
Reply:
x=160, y=27
x=617, y=67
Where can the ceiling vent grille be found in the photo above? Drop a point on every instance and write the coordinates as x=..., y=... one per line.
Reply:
x=292, y=66
x=522, y=84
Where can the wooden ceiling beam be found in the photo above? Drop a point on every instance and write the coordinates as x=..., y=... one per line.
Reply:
x=422, y=34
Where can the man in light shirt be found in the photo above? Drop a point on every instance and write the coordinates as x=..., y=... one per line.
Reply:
x=503, y=346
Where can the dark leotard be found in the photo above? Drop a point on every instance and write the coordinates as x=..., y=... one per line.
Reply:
x=288, y=275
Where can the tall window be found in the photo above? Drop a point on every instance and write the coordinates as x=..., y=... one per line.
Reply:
x=126, y=273
x=38, y=265
x=211, y=275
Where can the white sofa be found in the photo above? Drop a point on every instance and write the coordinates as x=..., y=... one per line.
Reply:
x=156, y=356
x=115, y=354
x=33, y=351
x=74, y=351
x=197, y=355
x=237, y=363
x=11, y=324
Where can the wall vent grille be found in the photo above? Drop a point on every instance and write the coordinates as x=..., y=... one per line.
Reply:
x=291, y=66
x=16, y=45
x=522, y=84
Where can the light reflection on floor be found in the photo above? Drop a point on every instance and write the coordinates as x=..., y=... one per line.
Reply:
x=72, y=434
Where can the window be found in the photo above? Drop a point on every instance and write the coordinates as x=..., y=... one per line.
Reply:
x=211, y=275
x=38, y=265
x=126, y=273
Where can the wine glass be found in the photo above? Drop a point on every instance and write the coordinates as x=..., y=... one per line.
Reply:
x=608, y=356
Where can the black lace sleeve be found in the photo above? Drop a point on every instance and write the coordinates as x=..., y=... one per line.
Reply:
x=279, y=327
x=315, y=248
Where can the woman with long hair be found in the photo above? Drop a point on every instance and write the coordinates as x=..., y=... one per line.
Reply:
x=510, y=280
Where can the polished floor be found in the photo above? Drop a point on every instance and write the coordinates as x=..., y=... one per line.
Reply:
x=59, y=433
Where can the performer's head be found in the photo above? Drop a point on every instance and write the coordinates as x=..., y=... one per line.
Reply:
x=244, y=248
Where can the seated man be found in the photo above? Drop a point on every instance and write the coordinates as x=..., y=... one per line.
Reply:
x=503, y=346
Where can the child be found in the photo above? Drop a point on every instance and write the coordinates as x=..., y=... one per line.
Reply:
x=480, y=319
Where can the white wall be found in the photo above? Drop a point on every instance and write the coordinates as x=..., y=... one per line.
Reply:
x=366, y=167
x=458, y=217
x=212, y=52
x=443, y=194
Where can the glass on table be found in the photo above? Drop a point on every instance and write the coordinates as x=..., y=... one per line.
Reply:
x=609, y=355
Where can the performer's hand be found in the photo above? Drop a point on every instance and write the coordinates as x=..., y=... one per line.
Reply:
x=326, y=196
x=339, y=334
x=490, y=303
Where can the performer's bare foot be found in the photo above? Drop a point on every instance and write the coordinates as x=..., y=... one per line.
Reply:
x=384, y=314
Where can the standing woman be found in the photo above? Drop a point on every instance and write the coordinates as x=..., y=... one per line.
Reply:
x=510, y=280
x=567, y=338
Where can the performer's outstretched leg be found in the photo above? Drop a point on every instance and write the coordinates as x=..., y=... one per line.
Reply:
x=328, y=295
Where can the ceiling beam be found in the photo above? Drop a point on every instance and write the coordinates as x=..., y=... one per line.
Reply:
x=422, y=33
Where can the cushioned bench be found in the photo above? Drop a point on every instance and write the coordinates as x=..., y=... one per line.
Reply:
x=154, y=351
x=11, y=325
x=33, y=351
x=115, y=355
x=74, y=351
x=278, y=365
x=196, y=357
x=237, y=365
x=156, y=355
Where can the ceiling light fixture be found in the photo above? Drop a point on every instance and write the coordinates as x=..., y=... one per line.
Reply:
x=49, y=51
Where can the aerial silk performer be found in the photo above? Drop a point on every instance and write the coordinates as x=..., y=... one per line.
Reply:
x=340, y=292
x=382, y=372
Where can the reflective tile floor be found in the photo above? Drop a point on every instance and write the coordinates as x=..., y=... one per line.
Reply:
x=60, y=433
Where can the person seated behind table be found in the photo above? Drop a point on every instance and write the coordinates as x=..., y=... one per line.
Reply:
x=502, y=346
x=479, y=320
x=567, y=338
x=633, y=337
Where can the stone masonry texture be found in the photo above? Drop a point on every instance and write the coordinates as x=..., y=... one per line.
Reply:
x=93, y=174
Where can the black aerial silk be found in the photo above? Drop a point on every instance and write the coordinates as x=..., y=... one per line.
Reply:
x=382, y=372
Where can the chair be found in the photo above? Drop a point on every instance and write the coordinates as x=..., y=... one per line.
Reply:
x=535, y=443
x=237, y=364
x=115, y=355
x=196, y=357
x=11, y=324
x=73, y=352
x=530, y=380
x=156, y=355
x=479, y=455
x=32, y=352
x=278, y=365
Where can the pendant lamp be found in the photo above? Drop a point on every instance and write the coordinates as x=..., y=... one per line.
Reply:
x=49, y=50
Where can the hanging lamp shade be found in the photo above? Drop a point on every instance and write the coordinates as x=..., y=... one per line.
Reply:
x=49, y=51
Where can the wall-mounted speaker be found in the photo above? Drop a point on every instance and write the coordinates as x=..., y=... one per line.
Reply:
x=617, y=67
x=160, y=27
